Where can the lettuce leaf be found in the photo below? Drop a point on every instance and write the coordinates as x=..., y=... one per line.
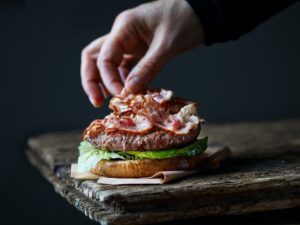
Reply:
x=89, y=155
x=193, y=149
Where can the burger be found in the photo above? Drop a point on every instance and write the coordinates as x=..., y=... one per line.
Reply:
x=145, y=134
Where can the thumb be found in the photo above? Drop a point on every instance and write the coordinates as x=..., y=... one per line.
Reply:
x=145, y=71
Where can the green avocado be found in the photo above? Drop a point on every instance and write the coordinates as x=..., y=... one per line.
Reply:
x=89, y=155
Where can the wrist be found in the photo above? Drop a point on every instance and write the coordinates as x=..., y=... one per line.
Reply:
x=195, y=22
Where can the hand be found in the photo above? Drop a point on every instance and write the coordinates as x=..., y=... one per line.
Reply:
x=141, y=42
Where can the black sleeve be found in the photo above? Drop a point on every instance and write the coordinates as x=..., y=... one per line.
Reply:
x=225, y=20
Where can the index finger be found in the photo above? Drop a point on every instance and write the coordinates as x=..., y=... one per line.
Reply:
x=108, y=62
x=90, y=77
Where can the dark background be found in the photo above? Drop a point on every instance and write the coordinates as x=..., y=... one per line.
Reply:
x=254, y=78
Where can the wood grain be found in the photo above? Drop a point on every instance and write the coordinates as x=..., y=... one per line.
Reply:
x=263, y=174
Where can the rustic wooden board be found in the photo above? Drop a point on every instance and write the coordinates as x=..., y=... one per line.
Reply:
x=263, y=174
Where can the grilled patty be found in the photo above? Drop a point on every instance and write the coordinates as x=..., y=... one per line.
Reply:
x=124, y=141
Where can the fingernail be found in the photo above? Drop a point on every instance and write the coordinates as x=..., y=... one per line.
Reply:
x=104, y=91
x=94, y=102
x=134, y=84
x=116, y=88
x=124, y=93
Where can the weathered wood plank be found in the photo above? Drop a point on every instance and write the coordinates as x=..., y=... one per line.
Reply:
x=56, y=148
x=211, y=204
x=264, y=174
x=91, y=209
x=258, y=140
x=275, y=186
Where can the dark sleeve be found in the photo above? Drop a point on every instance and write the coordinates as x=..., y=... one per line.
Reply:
x=225, y=20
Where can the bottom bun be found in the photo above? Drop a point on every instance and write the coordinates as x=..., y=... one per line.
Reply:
x=145, y=167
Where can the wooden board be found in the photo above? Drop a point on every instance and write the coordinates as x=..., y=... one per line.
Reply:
x=263, y=174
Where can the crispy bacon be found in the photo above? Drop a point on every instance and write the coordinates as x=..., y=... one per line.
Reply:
x=132, y=123
x=161, y=96
x=147, y=106
x=140, y=113
x=140, y=102
x=93, y=129
x=175, y=104
x=118, y=105
x=183, y=121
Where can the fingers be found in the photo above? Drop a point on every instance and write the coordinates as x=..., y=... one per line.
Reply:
x=124, y=93
x=92, y=50
x=108, y=62
x=96, y=97
x=90, y=77
x=122, y=40
x=90, y=82
x=128, y=62
x=115, y=67
x=154, y=31
x=145, y=71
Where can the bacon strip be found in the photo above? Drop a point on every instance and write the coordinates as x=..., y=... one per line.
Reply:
x=183, y=121
x=132, y=123
x=161, y=96
x=118, y=105
x=140, y=113
x=93, y=129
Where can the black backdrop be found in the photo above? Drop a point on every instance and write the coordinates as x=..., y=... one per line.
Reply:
x=254, y=78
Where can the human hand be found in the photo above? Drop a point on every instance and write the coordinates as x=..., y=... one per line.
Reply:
x=141, y=42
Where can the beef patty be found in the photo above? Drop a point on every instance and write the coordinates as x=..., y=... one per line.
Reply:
x=125, y=141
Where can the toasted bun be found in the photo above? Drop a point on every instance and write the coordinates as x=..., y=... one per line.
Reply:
x=145, y=167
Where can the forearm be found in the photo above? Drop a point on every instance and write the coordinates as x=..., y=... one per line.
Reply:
x=225, y=20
